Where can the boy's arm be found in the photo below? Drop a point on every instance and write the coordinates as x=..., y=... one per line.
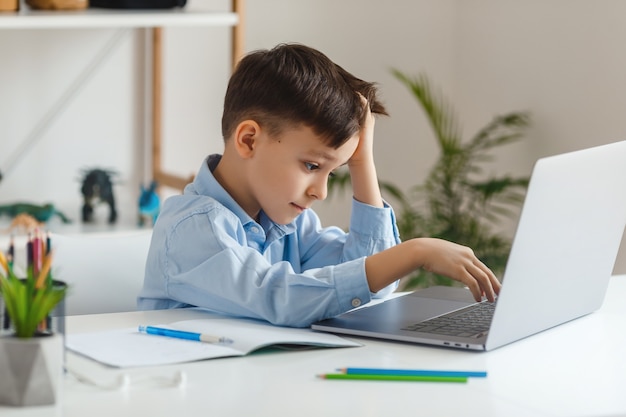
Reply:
x=435, y=255
x=361, y=165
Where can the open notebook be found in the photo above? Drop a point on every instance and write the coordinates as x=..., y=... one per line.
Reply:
x=128, y=347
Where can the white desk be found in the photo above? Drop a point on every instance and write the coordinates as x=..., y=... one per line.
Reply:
x=577, y=369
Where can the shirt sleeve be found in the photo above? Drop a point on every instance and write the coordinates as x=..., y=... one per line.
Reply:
x=202, y=259
x=371, y=230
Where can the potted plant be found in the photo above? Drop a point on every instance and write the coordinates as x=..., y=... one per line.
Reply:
x=31, y=354
x=456, y=202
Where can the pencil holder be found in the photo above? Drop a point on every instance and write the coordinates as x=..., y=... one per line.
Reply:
x=3, y=317
x=31, y=370
x=32, y=352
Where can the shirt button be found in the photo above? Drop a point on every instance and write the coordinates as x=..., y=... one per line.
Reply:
x=356, y=302
x=254, y=229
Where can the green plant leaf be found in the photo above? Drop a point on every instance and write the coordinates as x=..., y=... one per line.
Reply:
x=26, y=306
x=440, y=114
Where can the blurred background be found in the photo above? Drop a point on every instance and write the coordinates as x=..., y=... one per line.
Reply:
x=560, y=60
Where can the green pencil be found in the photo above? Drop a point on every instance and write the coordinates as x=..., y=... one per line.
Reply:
x=407, y=378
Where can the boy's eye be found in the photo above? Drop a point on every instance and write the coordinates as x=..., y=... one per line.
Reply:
x=311, y=166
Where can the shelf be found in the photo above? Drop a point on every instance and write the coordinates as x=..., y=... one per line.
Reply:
x=152, y=19
x=93, y=18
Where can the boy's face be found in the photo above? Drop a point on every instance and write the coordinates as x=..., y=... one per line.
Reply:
x=288, y=174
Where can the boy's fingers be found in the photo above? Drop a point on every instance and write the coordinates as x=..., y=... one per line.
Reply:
x=483, y=283
x=494, y=283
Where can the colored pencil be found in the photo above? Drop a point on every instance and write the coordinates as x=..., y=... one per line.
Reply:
x=37, y=253
x=11, y=253
x=406, y=378
x=44, y=273
x=48, y=243
x=413, y=372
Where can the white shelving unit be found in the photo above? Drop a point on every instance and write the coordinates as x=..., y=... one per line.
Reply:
x=155, y=20
x=93, y=18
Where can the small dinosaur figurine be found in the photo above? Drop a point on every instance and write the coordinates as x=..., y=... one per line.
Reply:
x=149, y=204
x=42, y=213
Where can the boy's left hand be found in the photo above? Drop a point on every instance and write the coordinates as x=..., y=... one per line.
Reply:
x=361, y=164
x=364, y=152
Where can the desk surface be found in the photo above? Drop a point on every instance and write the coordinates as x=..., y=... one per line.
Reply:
x=576, y=369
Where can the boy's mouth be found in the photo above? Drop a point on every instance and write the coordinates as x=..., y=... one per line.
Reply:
x=300, y=208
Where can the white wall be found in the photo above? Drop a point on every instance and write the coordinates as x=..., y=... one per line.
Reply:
x=560, y=59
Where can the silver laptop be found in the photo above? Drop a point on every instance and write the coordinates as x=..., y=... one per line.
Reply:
x=559, y=267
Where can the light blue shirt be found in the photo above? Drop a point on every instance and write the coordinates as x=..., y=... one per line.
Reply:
x=207, y=252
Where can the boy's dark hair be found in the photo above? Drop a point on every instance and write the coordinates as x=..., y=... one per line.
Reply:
x=293, y=85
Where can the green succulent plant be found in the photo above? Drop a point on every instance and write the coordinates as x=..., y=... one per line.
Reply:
x=456, y=202
x=30, y=300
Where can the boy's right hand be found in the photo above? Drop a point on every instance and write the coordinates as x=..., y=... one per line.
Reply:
x=435, y=255
x=461, y=264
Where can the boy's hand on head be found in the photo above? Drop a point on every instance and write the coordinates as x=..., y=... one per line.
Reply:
x=364, y=152
x=361, y=163
x=459, y=263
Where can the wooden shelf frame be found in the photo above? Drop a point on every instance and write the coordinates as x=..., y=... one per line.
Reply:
x=158, y=174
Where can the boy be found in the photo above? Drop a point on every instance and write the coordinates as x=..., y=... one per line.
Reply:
x=242, y=239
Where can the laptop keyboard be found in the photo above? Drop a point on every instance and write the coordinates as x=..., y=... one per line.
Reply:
x=472, y=321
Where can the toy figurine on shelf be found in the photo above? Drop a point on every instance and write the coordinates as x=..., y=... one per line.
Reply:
x=97, y=187
x=24, y=224
x=41, y=213
x=149, y=204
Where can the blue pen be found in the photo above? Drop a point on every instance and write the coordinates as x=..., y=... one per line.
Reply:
x=179, y=334
x=414, y=372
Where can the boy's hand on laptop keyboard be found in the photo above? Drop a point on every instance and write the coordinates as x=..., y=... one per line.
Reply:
x=436, y=255
x=459, y=263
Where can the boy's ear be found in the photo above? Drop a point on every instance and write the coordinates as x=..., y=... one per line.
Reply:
x=246, y=137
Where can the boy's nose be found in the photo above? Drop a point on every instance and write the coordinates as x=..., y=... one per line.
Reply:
x=319, y=190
